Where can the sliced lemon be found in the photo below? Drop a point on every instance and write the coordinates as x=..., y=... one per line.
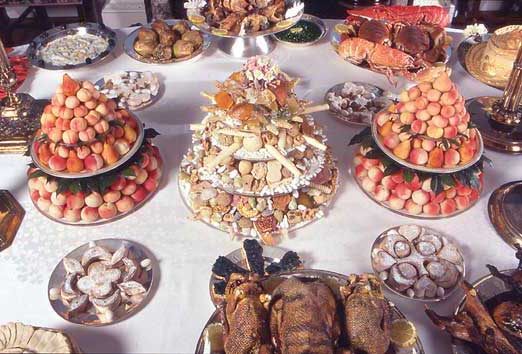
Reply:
x=403, y=333
x=219, y=32
x=284, y=23
x=341, y=28
x=197, y=19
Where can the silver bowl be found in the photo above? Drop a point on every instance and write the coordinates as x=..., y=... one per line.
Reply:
x=310, y=18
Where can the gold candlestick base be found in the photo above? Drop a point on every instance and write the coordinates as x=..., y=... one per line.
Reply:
x=11, y=216
x=18, y=122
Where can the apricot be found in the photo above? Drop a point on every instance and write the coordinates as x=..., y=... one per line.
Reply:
x=368, y=185
x=56, y=211
x=62, y=124
x=140, y=194
x=118, y=184
x=75, y=201
x=418, y=156
x=449, y=98
x=66, y=113
x=451, y=158
x=58, y=199
x=93, y=200
x=101, y=127
x=419, y=126
x=417, y=143
x=436, y=158
x=433, y=95
x=447, y=111
x=433, y=108
x=448, y=207
x=70, y=137
x=396, y=203
x=410, y=107
x=451, y=193
x=87, y=135
x=420, y=197
x=93, y=162
x=360, y=171
x=403, y=191
x=151, y=184
x=102, y=109
x=55, y=111
x=414, y=92
x=369, y=163
x=428, y=145
x=58, y=100
x=117, y=132
x=111, y=196
x=130, y=134
x=83, y=95
x=421, y=103
x=388, y=182
x=406, y=118
x=55, y=135
x=72, y=215
x=44, y=153
x=412, y=207
x=442, y=83
x=78, y=124
x=404, y=96
x=80, y=111
x=435, y=132
x=72, y=102
x=62, y=151
x=122, y=146
x=462, y=127
x=374, y=173
x=50, y=186
x=69, y=86
x=425, y=86
x=381, y=194
x=432, y=209
x=440, y=121
x=89, y=214
x=129, y=188
x=396, y=127
x=43, y=204
x=92, y=118
x=462, y=202
x=423, y=115
x=107, y=210
x=391, y=141
x=125, y=204
x=466, y=152
x=57, y=163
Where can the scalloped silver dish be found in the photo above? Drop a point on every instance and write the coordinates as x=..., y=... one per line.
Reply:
x=134, y=149
x=128, y=47
x=331, y=279
x=90, y=319
x=310, y=18
x=43, y=39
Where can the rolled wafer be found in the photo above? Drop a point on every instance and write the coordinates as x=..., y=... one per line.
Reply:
x=297, y=119
x=281, y=141
x=207, y=95
x=234, y=132
x=226, y=152
x=283, y=160
x=315, y=143
x=318, y=108
x=196, y=127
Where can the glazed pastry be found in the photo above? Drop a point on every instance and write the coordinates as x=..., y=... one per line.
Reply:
x=194, y=37
x=183, y=48
x=145, y=49
x=181, y=27
x=147, y=35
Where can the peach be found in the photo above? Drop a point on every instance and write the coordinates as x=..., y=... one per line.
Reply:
x=433, y=108
x=374, y=173
x=111, y=196
x=91, y=104
x=66, y=113
x=465, y=118
x=130, y=134
x=154, y=174
x=35, y=196
x=474, y=195
x=433, y=95
x=122, y=146
x=89, y=214
x=436, y=158
x=399, y=108
x=448, y=207
x=62, y=124
x=129, y=188
x=449, y=98
x=381, y=194
x=440, y=121
x=72, y=215
x=70, y=137
x=450, y=132
x=87, y=135
x=391, y=141
x=102, y=109
x=75, y=201
x=428, y=145
x=118, y=184
x=462, y=127
x=451, y=193
x=58, y=199
x=101, y=127
x=422, y=115
x=447, y=111
x=51, y=186
x=426, y=185
x=43, y=204
x=407, y=117
x=367, y=184
x=151, y=184
x=118, y=132
x=109, y=139
x=396, y=127
x=56, y=211
x=404, y=96
x=92, y=118
x=463, y=190
x=421, y=103
x=44, y=153
x=111, y=105
x=388, y=183
x=418, y=156
x=57, y=163
x=397, y=177
x=382, y=118
x=82, y=152
x=72, y=102
x=140, y=194
x=34, y=184
x=410, y=107
x=396, y=203
x=145, y=159
x=74, y=164
x=443, y=83
x=153, y=164
x=58, y=100
x=402, y=150
x=417, y=143
x=418, y=126
x=420, y=197
x=403, y=191
x=424, y=86
x=462, y=202
x=415, y=183
x=55, y=135
x=83, y=95
x=432, y=209
x=125, y=204
x=435, y=132
x=93, y=200
x=55, y=111
x=412, y=207
x=414, y=92
x=80, y=111
x=107, y=210
x=78, y=124
x=459, y=107
x=451, y=158
x=93, y=162
x=360, y=171
x=454, y=121
x=368, y=163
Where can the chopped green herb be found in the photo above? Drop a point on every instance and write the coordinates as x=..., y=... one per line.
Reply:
x=303, y=32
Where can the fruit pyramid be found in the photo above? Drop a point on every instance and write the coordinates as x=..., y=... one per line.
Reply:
x=430, y=127
x=82, y=132
x=259, y=165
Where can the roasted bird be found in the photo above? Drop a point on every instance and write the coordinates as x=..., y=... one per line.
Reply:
x=245, y=316
x=303, y=318
x=368, y=314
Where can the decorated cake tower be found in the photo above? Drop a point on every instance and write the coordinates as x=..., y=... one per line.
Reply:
x=259, y=165
x=92, y=162
x=422, y=156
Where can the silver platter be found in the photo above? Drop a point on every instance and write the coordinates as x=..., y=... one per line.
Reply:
x=128, y=47
x=104, y=221
x=403, y=213
x=61, y=174
x=270, y=255
x=193, y=13
x=90, y=319
x=309, y=18
x=100, y=84
x=43, y=39
x=425, y=230
x=391, y=155
x=357, y=118
x=487, y=288
x=466, y=44
x=333, y=280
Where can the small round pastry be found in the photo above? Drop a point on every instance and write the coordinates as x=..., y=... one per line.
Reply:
x=183, y=49
x=147, y=35
x=181, y=27
x=194, y=37
x=145, y=49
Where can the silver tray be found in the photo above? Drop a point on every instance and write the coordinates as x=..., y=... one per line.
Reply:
x=487, y=288
x=432, y=232
x=333, y=280
x=197, y=7
x=69, y=29
x=154, y=98
x=134, y=149
x=310, y=18
x=112, y=244
x=104, y=221
x=391, y=155
x=354, y=118
x=128, y=47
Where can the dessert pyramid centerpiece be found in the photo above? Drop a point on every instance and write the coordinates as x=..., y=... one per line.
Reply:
x=92, y=161
x=259, y=165
x=422, y=156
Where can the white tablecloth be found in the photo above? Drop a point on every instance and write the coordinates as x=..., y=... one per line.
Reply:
x=186, y=250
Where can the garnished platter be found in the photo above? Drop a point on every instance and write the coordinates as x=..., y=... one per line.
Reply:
x=296, y=36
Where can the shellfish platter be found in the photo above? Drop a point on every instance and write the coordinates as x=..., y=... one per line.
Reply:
x=273, y=307
x=418, y=262
x=101, y=282
x=259, y=164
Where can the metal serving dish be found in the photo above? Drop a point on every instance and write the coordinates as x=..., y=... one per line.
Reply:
x=309, y=18
x=33, y=51
x=128, y=46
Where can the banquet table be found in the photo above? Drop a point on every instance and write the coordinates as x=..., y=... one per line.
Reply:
x=185, y=250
